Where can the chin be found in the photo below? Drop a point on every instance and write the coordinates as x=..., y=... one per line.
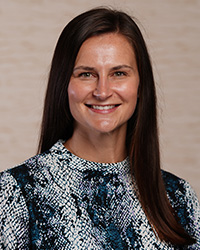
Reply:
x=107, y=128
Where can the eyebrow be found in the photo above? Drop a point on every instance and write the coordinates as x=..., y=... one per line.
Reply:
x=122, y=66
x=84, y=68
x=92, y=68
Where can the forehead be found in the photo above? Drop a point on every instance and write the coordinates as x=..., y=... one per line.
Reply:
x=109, y=45
x=108, y=38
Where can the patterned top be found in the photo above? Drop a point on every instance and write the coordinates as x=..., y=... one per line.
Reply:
x=57, y=200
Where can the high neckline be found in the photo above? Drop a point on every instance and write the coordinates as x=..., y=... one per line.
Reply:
x=81, y=164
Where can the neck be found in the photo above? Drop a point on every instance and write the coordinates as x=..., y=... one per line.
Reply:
x=107, y=148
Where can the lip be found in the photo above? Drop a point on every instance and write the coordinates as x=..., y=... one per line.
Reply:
x=103, y=109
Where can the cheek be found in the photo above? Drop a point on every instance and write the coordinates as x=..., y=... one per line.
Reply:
x=129, y=93
x=131, y=97
x=77, y=92
x=128, y=89
x=76, y=98
x=73, y=93
x=73, y=97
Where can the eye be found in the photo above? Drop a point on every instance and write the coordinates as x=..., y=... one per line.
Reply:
x=85, y=74
x=119, y=73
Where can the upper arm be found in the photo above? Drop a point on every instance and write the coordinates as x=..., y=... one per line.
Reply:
x=185, y=204
x=193, y=211
x=14, y=219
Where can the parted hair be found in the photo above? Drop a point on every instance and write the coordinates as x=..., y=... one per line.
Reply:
x=142, y=132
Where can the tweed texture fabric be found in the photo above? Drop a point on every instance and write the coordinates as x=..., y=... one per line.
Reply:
x=57, y=200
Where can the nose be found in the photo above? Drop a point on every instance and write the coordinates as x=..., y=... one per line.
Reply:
x=103, y=88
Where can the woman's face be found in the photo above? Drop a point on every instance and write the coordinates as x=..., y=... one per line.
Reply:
x=103, y=87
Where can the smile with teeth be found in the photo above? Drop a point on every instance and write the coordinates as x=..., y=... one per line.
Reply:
x=102, y=107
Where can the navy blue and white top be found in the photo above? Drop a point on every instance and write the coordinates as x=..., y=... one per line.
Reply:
x=57, y=200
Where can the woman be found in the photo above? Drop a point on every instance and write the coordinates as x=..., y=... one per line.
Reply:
x=96, y=182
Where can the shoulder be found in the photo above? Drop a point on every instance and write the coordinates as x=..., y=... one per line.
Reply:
x=18, y=177
x=38, y=170
x=184, y=201
x=19, y=188
x=33, y=167
x=174, y=183
x=14, y=180
x=21, y=174
x=178, y=188
x=29, y=174
x=179, y=191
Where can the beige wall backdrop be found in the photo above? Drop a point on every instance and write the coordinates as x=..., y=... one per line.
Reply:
x=29, y=30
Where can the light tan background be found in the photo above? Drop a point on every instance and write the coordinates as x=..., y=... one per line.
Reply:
x=29, y=30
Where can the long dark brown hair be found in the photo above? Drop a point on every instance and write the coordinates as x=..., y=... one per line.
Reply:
x=142, y=133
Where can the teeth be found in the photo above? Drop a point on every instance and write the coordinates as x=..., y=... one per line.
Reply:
x=103, y=107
